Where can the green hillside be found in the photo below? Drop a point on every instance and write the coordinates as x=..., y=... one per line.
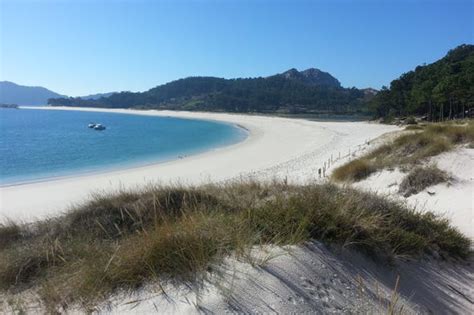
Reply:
x=309, y=91
x=441, y=90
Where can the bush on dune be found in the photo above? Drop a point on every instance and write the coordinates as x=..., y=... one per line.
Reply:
x=355, y=170
x=420, y=178
x=123, y=240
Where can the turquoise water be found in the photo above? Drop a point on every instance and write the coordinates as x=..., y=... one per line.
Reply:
x=39, y=144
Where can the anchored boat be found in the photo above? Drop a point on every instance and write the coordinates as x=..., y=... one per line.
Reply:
x=96, y=126
x=99, y=127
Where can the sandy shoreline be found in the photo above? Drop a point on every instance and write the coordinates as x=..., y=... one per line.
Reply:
x=276, y=147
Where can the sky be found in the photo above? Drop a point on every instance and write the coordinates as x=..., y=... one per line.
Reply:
x=80, y=47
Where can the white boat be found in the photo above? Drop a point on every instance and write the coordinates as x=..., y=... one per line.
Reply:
x=99, y=127
x=91, y=125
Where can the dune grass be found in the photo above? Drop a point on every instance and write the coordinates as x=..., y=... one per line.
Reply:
x=354, y=170
x=124, y=240
x=9, y=232
x=408, y=149
x=414, y=127
x=420, y=178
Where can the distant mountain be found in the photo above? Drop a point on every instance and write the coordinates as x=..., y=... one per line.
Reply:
x=12, y=93
x=96, y=96
x=311, y=76
x=308, y=91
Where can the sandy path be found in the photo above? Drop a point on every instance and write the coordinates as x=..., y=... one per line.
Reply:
x=276, y=147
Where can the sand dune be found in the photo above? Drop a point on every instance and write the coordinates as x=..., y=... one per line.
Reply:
x=452, y=200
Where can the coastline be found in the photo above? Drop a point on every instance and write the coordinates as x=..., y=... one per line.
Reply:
x=275, y=148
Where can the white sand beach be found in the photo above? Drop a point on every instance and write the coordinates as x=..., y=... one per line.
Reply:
x=292, y=149
x=302, y=278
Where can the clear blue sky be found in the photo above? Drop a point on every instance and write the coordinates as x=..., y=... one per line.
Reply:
x=81, y=47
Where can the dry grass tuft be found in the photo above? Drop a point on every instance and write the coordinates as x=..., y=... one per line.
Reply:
x=420, y=178
x=9, y=233
x=414, y=127
x=354, y=171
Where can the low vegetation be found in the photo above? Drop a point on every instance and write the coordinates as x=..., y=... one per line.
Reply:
x=420, y=178
x=354, y=171
x=409, y=149
x=123, y=240
x=414, y=127
x=411, y=121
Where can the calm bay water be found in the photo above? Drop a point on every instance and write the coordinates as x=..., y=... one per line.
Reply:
x=38, y=144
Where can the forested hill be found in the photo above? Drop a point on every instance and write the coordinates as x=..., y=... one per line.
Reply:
x=441, y=90
x=309, y=91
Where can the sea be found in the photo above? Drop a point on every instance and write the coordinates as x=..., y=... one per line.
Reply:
x=40, y=144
